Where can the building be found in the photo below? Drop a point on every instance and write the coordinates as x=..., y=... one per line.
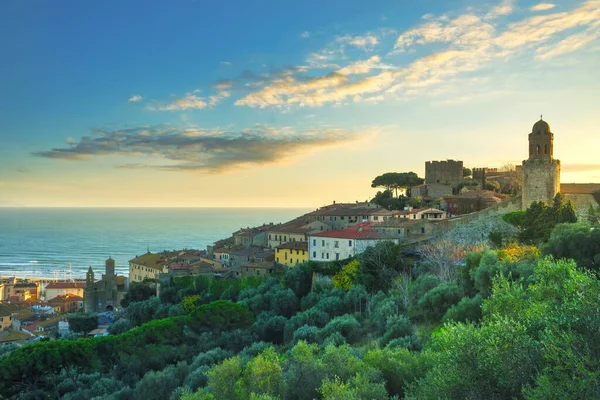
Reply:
x=291, y=254
x=54, y=289
x=256, y=236
x=107, y=293
x=420, y=213
x=262, y=268
x=470, y=201
x=49, y=324
x=404, y=229
x=147, y=266
x=430, y=191
x=249, y=255
x=447, y=172
x=541, y=171
x=64, y=303
x=344, y=243
x=296, y=230
x=340, y=216
x=18, y=290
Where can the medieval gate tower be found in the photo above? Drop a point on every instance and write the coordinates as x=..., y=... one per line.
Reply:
x=541, y=172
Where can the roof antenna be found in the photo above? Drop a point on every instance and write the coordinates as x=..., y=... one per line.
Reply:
x=540, y=117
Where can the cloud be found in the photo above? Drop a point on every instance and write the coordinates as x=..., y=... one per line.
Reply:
x=225, y=63
x=176, y=148
x=305, y=35
x=367, y=42
x=135, y=98
x=504, y=8
x=423, y=59
x=190, y=101
x=542, y=7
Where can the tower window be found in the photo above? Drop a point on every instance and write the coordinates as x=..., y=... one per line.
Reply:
x=537, y=149
x=545, y=149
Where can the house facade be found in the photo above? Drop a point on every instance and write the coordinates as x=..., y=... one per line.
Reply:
x=291, y=254
x=344, y=243
x=54, y=289
x=146, y=266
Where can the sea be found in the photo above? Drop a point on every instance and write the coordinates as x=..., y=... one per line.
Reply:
x=62, y=243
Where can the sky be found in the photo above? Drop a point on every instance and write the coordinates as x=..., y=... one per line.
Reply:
x=280, y=103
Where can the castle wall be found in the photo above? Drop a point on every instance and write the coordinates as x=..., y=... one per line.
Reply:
x=541, y=180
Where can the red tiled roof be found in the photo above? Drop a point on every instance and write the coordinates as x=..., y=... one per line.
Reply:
x=358, y=231
x=63, y=298
x=65, y=285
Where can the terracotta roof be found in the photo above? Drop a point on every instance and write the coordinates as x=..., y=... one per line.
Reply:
x=359, y=232
x=65, y=285
x=150, y=260
x=579, y=188
x=65, y=298
x=293, y=246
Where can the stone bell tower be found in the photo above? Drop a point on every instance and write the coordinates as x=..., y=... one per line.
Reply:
x=541, y=172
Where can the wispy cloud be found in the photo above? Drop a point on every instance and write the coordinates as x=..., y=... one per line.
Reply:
x=542, y=7
x=135, y=98
x=190, y=101
x=305, y=35
x=367, y=42
x=506, y=7
x=176, y=148
x=459, y=45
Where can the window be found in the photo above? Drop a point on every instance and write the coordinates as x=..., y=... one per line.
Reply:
x=375, y=218
x=336, y=244
x=422, y=230
x=337, y=256
x=327, y=256
x=414, y=216
x=314, y=254
x=322, y=255
x=314, y=242
x=537, y=149
x=322, y=243
x=269, y=236
x=286, y=256
x=349, y=243
x=342, y=218
x=277, y=259
x=285, y=238
x=291, y=260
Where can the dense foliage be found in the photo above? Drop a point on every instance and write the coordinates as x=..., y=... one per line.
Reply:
x=491, y=324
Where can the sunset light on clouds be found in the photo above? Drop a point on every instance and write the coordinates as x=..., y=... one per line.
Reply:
x=280, y=104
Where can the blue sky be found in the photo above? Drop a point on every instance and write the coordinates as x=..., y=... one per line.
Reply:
x=272, y=103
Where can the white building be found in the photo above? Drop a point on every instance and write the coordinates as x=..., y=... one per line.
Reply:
x=344, y=243
x=421, y=213
x=54, y=289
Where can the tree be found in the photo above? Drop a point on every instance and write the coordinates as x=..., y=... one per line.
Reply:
x=263, y=375
x=396, y=180
x=578, y=241
x=138, y=291
x=346, y=277
x=466, y=172
x=82, y=322
x=224, y=379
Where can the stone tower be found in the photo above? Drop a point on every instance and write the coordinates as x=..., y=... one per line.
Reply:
x=110, y=268
x=541, y=172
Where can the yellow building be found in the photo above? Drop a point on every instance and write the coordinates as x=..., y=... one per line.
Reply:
x=291, y=254
x=147, y=266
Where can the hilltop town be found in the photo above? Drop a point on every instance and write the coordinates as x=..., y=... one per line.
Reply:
x=449, y=196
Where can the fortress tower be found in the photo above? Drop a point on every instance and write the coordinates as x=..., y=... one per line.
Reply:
x=541, y=172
